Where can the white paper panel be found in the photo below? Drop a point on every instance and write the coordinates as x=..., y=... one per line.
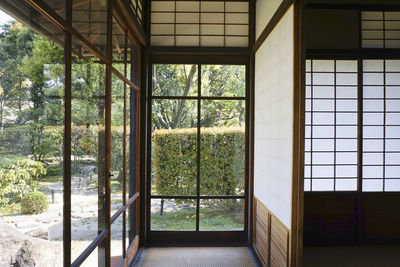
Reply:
x=273, y=153
x=236, y=29
x=265, y=9
x=162, y=29
x=346, y=184
x=323, y=66
x=322, y=185
x=162, y=18
x=212, y=29
x=162, y=6
x=187, y=29
x=212, y=17
x=162, y=40
x=212, y=40
x=187, y=18
x=192, y=6
x=187, y=40
x=212, y=6
x=236, y=6
x=346, y=66
x=237, y=18
x=392, y=185
x=372, y=15
x=227, y=21
x=231, y=41
x=372, y=185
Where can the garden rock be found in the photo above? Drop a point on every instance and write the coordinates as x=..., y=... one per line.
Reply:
x=39, y=233
x=18, y=249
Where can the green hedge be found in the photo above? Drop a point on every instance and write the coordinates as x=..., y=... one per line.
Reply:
x=222, y=161
x=18, y=177
x=34, y=203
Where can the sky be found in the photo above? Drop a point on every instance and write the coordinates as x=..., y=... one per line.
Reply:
x=4, y=17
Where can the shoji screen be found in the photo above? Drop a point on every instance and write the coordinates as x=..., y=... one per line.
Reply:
x=200, y=23
x=331, y=125
x=273, y=152
x=265, y=11
x=381, y=125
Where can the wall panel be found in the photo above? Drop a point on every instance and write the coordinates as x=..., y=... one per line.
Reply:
x=271, y=237
x=273, y=152
x=265, y=9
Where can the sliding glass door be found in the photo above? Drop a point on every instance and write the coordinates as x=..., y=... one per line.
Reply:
x=198, y=182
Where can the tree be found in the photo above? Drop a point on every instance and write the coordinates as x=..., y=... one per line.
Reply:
x=45, y=108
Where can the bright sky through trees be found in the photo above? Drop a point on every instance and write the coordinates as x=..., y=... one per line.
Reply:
x=4, y=17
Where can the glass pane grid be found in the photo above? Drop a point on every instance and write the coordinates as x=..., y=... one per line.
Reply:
x=331, y=125
x=198, y=148
x=380, y=29
x=381, y=126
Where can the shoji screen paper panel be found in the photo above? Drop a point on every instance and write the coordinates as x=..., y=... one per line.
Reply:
x=380, y=29
x=381, y=125
x=265, y=10
x=331, y=125
x=200, y=23
x=273, y=152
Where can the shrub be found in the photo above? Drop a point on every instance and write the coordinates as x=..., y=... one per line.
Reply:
x=55, y=170
x=18, y=177
x=34, y=203
x=222, y=161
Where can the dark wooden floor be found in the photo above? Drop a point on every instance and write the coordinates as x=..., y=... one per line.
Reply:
x=352, y=256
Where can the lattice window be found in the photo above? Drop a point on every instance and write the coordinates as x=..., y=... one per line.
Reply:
x=200, y=23
x=138, y=9
x=381, y=125
x=380, y=29
x=331, y=125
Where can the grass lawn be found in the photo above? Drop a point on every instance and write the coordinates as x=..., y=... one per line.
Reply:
x=185, y=219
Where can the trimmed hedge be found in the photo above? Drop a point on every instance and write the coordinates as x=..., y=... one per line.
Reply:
x=222, y=157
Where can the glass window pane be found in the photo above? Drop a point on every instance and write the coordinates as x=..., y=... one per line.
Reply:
x=118, y=47
x=221, y=214
x=174, y=143
x=223, y=80
x=173, y=214
x=88, y=157
x=32, y=85
x=222, y=147
x=116, y=240
x=117, y=140
x=89, y=18
x=175, y=80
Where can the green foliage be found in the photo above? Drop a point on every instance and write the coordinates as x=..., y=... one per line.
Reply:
x=55, y=170
x=18, y=177
x=34, y=203
x=222, y=161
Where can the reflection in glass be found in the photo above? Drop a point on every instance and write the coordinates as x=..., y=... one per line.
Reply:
x=118, y=47
x=221, y=214
x=89, y=18
x=117, y=135
x=88, y=153
x=173, y=214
